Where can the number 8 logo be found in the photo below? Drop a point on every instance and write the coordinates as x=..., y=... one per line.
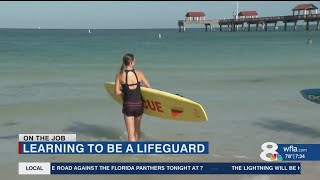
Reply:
x=267, y=150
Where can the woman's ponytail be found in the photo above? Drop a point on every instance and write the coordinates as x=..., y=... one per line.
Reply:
x=127, y=58
x=121, y=68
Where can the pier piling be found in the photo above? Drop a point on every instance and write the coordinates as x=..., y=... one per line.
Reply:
x=265, y=26
x=285, y=26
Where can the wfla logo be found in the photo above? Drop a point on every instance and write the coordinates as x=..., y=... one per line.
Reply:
x=269, y=148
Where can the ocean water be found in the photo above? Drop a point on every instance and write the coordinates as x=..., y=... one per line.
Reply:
x=51, y=81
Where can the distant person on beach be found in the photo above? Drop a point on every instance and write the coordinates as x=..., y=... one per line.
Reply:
x=127, y=84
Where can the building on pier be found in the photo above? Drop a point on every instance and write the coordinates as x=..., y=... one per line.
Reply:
x=247, y=14
x=305, y=8
x=195, y=16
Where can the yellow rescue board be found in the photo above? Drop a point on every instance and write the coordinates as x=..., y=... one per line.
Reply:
x=165, y=105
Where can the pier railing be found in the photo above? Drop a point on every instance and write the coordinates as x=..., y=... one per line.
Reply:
x=274, y=18
x=182, y=22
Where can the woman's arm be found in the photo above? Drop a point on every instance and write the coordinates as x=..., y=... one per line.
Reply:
x=144, y=80
x=117, y=87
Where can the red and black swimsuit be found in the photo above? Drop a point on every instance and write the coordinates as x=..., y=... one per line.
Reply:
x=132, y=99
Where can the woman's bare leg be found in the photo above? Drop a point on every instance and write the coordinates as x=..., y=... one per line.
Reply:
x=137, y=130
x=129, y=120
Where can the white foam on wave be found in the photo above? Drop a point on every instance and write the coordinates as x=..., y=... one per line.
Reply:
x=259, y=177
x=241, y=157
x=218, y=156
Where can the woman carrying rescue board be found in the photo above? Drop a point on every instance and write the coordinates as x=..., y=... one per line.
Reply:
x=127, y=84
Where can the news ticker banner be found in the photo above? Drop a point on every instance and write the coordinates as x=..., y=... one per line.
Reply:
x=51, y=168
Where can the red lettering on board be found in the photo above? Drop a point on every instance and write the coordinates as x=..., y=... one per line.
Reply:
x=152, y=105
x=158, y=105
x=145, y=104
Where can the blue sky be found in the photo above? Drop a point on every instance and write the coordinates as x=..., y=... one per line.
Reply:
x=126, y=15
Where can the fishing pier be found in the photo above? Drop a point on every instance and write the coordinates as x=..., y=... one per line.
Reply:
x=264, y=21
x=209, y=24
x=196, y=18
x=250, y=18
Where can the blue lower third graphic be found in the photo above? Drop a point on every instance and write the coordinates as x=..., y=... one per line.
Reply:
x=175, y=168
x=113, y=147
x=299, y=152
